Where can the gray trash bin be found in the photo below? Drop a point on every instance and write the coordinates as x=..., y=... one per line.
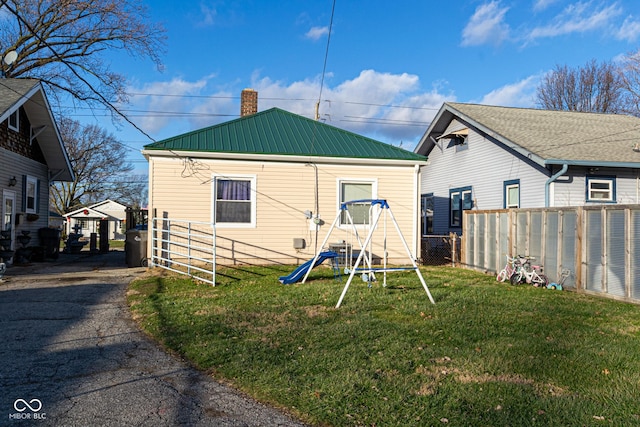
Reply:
x=135, y=247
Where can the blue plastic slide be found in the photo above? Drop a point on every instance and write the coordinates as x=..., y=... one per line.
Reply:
x=298, y=273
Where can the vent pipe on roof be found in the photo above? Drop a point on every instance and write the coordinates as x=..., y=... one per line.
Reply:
x=248, y=102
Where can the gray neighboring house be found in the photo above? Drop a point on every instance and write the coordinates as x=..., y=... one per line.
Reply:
x=488, y=157
x=32, y=157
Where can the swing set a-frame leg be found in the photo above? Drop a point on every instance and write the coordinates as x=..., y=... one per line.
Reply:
x=406, y=247
x=413, y=261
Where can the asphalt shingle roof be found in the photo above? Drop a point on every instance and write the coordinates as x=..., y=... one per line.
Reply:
x=276, y=131
x=11, y=90
x=561, y=135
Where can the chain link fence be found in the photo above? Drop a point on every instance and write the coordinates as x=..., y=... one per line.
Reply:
x=440, y=249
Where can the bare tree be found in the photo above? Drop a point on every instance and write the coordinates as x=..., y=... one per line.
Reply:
x=591, y=88
x=630, y=72
x=62, y=43
x=101, y=171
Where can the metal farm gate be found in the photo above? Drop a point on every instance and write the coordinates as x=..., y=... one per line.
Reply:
x=185, y=247
x=595, y=247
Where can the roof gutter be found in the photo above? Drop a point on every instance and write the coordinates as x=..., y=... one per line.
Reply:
x=281, y=158
x=565, y=167
x=593, y=163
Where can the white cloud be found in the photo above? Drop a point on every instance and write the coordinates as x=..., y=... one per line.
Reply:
x=486, y=26
x=629, y=30
x=316, y=33
x=384, y=106
x=518, y=94
x=351, y=104
x=159, y=100
x=579, y=17
x=540, y=5
x=208, y=15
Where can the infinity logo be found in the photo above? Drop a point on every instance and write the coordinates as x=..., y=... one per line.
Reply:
x=21, y=405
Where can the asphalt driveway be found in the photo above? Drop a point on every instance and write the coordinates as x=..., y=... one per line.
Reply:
x=71, y=355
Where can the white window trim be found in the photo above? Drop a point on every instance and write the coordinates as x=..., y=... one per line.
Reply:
x=591, y=191
x=507, y=204
x=31, y=180
x=374, y=195
x=17, y=116
x=251, y=224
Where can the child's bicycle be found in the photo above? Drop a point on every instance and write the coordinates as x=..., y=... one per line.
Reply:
x=528, y=273
x=510, y=267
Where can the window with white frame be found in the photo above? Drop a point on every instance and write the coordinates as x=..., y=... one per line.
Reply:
x=31, y=194
x=14, y=121
x=356, y=190
x=512, y=194
x=601, y=189
x=459, y=200
x=234, y=201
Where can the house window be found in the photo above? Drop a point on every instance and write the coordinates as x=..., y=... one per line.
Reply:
x=31, y=194
x=511, y=194
x=601, y=189
x=460, y=142
x=426, y=214
x=234, y=201
x=14, y=121
x=459, y=200
x=356, y=190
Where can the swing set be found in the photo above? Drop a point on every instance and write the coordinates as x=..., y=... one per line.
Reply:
x=379, y=208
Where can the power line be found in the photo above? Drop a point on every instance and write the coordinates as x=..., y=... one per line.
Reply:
x=382, y=121
x=213, y=96
x=392, y=106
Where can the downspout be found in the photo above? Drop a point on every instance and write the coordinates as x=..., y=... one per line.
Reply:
x=416, y=240
x=565, y=167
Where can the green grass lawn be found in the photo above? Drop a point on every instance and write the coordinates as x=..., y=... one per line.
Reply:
x=487, y=354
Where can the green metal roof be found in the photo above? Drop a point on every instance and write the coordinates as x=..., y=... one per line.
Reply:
x=278, y=132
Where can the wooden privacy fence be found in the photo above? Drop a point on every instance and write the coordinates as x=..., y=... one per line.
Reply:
x=593, y=247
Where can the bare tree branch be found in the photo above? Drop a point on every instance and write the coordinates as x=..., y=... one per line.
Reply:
x=591, y=88
x=60, y=42
x=630, y=71
x=101, y=170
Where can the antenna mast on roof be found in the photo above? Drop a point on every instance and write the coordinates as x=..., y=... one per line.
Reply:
x=326, y=55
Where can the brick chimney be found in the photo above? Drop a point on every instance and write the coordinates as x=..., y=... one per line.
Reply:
x=248, y=102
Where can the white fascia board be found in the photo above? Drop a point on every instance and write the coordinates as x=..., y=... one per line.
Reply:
x=280, y=158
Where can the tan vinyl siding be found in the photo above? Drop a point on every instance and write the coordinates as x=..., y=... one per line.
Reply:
x=183, y=190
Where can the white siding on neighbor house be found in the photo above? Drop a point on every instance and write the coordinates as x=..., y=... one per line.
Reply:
x=12, y=164
x=484, y=166
x=112, y=208
x=570, y=190
x=284, y=191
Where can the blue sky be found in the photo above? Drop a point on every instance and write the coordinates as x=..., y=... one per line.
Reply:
x=390, y=65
